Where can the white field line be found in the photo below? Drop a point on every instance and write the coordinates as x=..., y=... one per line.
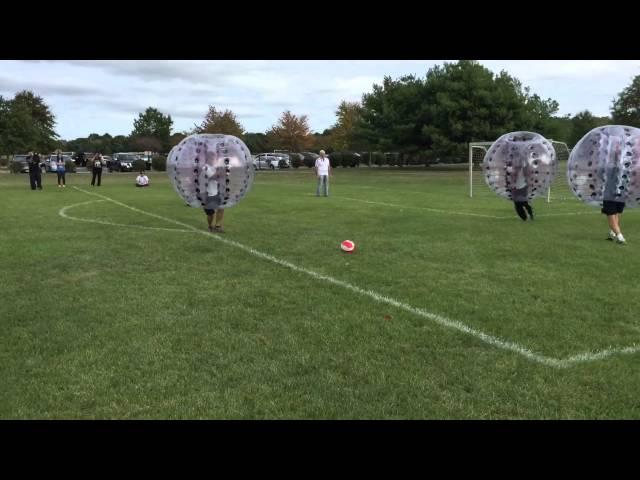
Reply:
x=439, y=319
x=435, y=210
x=452, y=212
x=63, y=213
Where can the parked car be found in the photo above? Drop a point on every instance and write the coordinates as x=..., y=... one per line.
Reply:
x=122, y=163
x=54, y=158
x=265, y=161
x=23, y=160
x=272, y=161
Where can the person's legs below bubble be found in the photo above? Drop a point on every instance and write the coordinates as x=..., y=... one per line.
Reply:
x=39, y=178
x=93, y=177
x=318, y=185
x=619, y=237
x=210, y=213
x=529, y=209
x=99, y=176
x=32, y=179
x=520, y=210
x=219, y=216
x=612, y=220
x=326, y=185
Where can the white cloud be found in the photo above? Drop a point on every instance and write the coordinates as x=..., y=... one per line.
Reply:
x=99, y=96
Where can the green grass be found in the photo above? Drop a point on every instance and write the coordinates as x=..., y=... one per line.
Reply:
x=102, y=321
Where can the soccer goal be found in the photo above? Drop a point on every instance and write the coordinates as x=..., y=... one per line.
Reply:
x=559, y=189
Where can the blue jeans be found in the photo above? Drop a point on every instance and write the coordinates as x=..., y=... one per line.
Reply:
x=323, y=180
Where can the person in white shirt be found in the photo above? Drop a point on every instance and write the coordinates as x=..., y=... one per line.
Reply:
x=142, y=180
x=212, y=205
x=323, y=171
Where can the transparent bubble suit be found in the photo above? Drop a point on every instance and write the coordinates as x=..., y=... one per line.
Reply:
x=605, y=165
x=204, y=165
x=520, y=165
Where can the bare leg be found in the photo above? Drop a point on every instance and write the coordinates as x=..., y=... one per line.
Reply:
x=210, y=220
x=219, y=217
x=613, y=223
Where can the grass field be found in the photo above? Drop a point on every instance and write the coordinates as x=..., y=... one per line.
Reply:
x=451, y=307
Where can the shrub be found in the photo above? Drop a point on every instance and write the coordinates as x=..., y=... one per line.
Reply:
x=139, y=165
x=297, y=159
x=309, y=159
x=159, y=163
x=335, y=159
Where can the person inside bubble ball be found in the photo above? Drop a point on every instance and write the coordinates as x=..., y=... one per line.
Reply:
x=214, y=199
x=612, y=207
x=520, y=194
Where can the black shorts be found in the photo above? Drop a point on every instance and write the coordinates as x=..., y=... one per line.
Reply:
x=611, y=208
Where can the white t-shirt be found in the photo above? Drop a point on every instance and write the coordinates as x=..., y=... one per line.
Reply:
x=142, y=180
x=322, y=165
x=211, y=180
x=521, y=181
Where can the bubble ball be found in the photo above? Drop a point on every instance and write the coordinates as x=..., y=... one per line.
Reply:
x=520, y=165
x=211, y=170
x=605, y=165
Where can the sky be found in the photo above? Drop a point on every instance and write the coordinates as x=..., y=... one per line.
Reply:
x=105, y=96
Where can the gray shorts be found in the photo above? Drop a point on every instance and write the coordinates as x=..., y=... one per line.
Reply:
x=212, y=204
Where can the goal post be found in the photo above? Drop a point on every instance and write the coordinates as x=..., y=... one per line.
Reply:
x=477, y=151
x=559, y=190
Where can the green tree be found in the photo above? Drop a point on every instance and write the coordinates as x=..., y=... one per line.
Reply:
x=120, y=143
x=256, y=142
x=583, y=122
x=41, y=135
x=176, y=138
x=291, y=133
x=26, y=123
x=626, y=108
x=344, y=131
x=153, y=123
x=143, y=144
x=220, y=122
x=454, y=104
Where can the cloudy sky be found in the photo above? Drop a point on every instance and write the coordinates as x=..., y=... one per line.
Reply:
x=105, y=96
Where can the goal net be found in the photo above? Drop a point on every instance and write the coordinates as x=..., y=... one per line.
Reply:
x=558, y=191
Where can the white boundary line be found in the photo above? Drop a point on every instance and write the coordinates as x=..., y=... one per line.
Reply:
x=63, y=213
x=453, y=324
x=469, y=214
x=437, y=210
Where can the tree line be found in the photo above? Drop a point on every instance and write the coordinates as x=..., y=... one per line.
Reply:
x=434, y=116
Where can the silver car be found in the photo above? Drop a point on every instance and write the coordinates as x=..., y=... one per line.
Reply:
x=271, y=161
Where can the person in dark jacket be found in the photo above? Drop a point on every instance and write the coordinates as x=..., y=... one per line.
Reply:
x=97, y=169
x=35, y=174
x=520, y=195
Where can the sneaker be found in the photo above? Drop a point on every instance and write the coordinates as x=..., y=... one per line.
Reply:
x=218, y=229
x=64, y=186
x=620, y=239
x=612, y=236
x=210, y=227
